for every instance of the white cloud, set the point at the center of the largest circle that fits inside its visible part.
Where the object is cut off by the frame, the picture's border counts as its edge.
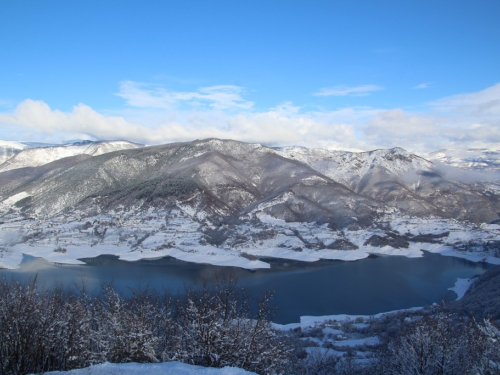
(458, 121)
(396, 127)
(481, 103)
(343, 90)
(157, 116)
(39, 117)
(422, 86)
(219, 97)
(283, 124)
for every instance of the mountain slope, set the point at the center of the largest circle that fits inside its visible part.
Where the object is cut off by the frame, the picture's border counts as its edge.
(229, 203)
(479, 159)
(401, 180)
(350, 168)
(10, 148)
(482, 300)
(34, 157)
(219, 179)
(228, 178)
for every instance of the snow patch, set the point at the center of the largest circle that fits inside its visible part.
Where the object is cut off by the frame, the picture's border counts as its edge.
(166, 368)
(13, 144)
(461, 286)
(368, 341)
(15, 198)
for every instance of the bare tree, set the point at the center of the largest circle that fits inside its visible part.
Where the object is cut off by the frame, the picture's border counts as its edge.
(441, 344)
(216, 328)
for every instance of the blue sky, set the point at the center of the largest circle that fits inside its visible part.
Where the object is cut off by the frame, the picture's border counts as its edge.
(353, 75)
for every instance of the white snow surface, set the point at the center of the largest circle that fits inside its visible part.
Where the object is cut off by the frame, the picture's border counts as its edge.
(344, 166)
(486, 159)
(165, 368)
(34, 157)
(15, 198)
(13, 144)
(312, 321)
(9, 148)
(461, 286)
(133, 234)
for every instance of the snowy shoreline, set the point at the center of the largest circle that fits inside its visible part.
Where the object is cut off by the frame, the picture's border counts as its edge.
(133, 236)
(223, 257)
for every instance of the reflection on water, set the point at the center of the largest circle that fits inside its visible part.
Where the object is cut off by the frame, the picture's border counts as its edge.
(367, 286)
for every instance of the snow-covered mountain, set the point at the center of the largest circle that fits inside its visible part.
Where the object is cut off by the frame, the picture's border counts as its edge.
(213, 200)
(222, 179)
(26, 156)
(9, 148)
(397, 178)
(350, 168)
(228, 178)
(481, 159)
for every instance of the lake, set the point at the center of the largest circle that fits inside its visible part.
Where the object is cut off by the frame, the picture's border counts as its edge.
(368, 286)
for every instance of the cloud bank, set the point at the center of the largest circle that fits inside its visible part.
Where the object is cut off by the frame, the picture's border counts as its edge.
(156, 115)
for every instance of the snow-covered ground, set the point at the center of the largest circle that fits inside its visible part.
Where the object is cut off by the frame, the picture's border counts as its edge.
(358, 335)
(133, 234)
(461, 286)
(327, 335)
(312, 321)
(166, 368)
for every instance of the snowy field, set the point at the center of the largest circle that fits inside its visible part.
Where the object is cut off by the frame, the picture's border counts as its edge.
(135, 234)
(167, 368)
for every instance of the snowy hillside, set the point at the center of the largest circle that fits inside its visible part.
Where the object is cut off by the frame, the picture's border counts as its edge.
(232, 203)
(229, 179)
(10, 148)
(481, 159)
(13, 144)
(350, 167)
(401, 180)
(34, 157)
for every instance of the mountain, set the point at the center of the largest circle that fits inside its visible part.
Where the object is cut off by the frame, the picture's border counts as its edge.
(229, 179)
(9, 148)
(479, 159)
(402, 180)
(228, 202)
(36, 156)
(351, 168)
(482, 299)
(222, 178)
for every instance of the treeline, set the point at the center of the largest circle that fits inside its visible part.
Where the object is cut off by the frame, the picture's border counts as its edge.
(213, 325)
(209, 325)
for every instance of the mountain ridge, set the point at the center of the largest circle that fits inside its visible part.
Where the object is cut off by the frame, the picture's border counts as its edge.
(235, 175)
(36, 156)
(230, 203)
